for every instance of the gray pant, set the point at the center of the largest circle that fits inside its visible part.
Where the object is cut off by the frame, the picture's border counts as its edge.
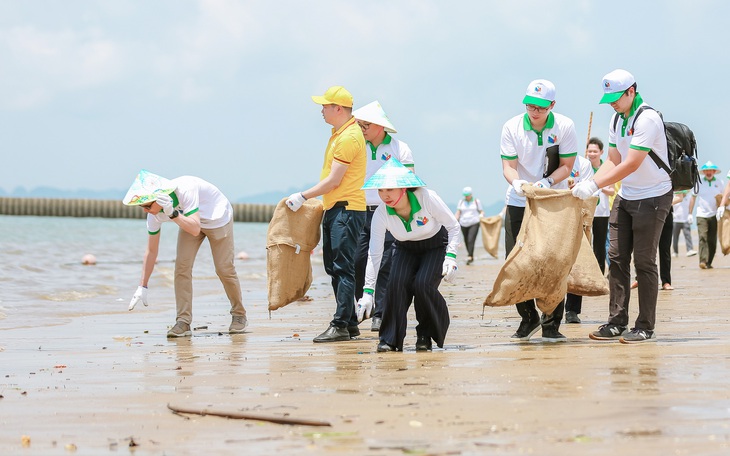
(634, 227)
(686, 229)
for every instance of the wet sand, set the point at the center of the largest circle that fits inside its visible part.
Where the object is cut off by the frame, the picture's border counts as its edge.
(94, 383)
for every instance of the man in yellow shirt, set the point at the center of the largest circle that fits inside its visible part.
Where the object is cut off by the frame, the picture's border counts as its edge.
(340, 185)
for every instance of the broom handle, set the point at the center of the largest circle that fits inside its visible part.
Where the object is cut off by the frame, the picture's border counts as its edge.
(590, 121)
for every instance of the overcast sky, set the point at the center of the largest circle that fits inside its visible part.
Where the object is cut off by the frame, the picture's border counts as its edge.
(93, 91)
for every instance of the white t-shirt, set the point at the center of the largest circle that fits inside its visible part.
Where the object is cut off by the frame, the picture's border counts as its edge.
(469, 211)
(191, 195)
(520, 142)
(705, 203)
(648, 180)
(390, 147)
(681, 209)
(424, 224)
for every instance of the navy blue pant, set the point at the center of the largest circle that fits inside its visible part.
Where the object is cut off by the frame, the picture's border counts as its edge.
(340, 231)
(415, 276)
(361, 262)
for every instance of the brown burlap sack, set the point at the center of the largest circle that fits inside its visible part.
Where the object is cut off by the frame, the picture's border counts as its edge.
(585, 278)
(289, 243)
(491, 228)
(723, 232)
(545, 251)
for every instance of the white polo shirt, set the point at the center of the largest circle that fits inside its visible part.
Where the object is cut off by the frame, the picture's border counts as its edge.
(377, 156)
(191, 195)
(706, 204)
(428, 214)
(520, 142)
(648, 180)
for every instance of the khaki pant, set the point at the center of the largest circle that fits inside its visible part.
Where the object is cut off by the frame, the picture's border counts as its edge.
(221, 246)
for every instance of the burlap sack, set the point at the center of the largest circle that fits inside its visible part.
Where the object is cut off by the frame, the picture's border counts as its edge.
(289, 243)
(723, 232)
(585, 277)
(545, 251)
(491, 228)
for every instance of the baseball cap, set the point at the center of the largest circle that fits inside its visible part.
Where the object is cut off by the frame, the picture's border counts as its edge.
(540, 92)
(466, 191)
(374, 113)
(393, 175)
(334, 95)
(615, 84)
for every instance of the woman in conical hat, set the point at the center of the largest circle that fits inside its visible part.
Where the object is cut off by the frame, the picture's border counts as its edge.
(426, 237)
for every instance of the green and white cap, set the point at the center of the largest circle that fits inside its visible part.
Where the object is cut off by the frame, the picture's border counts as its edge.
(146, 187)
(615, 84)
(393, 175)
(374, 113)
(540, 92)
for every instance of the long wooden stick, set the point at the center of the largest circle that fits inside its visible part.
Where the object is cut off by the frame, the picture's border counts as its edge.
(246, 416)
(590, 121)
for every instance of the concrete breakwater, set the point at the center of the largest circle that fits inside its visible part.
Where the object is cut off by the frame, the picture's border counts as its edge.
(111, 209)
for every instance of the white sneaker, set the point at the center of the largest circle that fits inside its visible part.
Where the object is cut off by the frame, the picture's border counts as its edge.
(692, 253)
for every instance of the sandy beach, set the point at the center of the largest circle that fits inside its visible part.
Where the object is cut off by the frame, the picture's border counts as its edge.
(96, 383)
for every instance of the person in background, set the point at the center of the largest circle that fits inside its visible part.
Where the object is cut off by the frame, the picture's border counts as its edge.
(709, 195)
(380, 147)
(468, 212)
(527, 140)
(426, 239)
(724, 200)
(341, 179)
(201, 212)
(682, 223)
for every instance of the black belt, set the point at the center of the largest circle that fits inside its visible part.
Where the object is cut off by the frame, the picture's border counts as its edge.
(339, 204)
(372, 208)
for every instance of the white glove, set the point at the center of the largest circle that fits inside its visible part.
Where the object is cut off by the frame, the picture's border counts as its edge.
(585, 189)
(165, 203)
(542, 183)
(720, 211)
(139, 295)
(364, 306)
(690, 219)
(449, 270)
(295, 201)
(517, 185)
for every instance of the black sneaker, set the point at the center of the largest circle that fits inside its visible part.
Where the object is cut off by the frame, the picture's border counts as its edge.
(608, 332)
(333, 334)
(354, 331)
(550, 334)
(571, 317)
(375, 326)
(526, 329)
(423, 343)
(384, 347)
(636, 336)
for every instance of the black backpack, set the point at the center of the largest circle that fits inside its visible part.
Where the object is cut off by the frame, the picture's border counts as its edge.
(682, 151)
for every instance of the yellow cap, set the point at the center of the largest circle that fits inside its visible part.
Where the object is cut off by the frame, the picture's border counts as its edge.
(334, 95)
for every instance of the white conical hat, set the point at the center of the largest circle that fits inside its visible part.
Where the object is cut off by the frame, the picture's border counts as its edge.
(393, 175)
(374, 113)
(146, 187)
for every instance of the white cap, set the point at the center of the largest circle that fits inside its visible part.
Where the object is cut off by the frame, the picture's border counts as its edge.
(374, 113)
(540, 92)
(615, 84)
(466, 191)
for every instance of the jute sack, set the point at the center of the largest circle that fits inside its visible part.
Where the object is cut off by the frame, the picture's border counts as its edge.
(545, 250)
(491, 228)
(723, 228)
(585, 277)
(289, 243)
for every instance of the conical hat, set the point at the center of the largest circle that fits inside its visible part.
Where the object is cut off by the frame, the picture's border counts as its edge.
(146, 187)
(393, 175)
(374, 113)
(709, 166)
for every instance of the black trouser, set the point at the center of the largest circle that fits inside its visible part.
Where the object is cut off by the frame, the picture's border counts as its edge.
(470, 235)
(574, 303)
(526, 309)
(665, 249)
(361, 262)
(415, 275)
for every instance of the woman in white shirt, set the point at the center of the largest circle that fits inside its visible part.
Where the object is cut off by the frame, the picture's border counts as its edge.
(426, 238)
(468, 212)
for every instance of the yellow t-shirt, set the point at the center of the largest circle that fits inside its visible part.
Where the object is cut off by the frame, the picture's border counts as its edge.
(346, 146)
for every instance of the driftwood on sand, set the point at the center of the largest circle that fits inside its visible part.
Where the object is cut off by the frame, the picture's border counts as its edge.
(246, 416)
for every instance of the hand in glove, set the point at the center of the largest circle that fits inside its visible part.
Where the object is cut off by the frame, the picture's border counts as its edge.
(364, 306)
(720, 212)
(585, 189)
(449, 270)
(295, 201)
(517, 185)
(542, 183)
(165, 203)
(139, 295)
(690, 219)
